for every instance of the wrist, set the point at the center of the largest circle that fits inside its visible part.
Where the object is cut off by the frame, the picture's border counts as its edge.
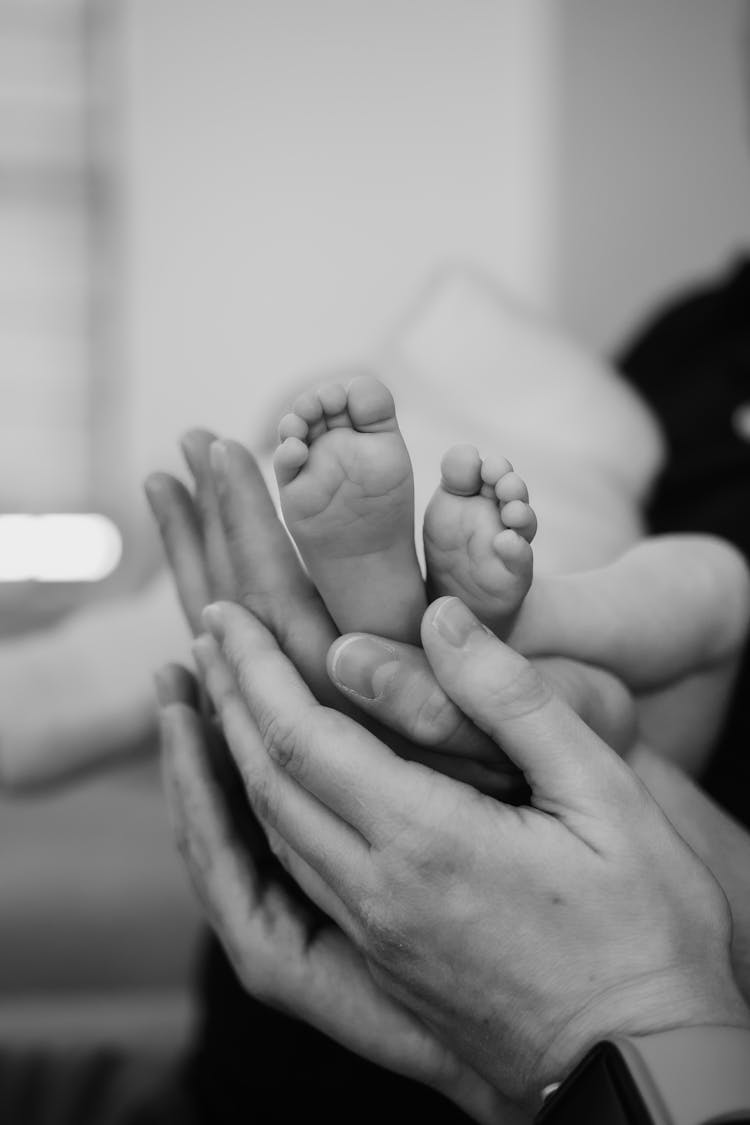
(481, 1101)
(685, 1076)
(652, 1004)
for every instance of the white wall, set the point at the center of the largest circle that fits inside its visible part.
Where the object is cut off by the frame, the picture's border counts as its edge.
(654, 170)
(294, 168)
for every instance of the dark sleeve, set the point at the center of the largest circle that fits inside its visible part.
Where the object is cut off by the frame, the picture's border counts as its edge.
(692, 365)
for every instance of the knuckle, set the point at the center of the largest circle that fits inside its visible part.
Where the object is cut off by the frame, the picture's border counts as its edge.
(523, 693)
(279, 736)
(437, 720)
(385, 928)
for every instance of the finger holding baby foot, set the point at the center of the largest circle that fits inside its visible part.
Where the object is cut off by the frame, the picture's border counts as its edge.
(477, 532)
(395, 684)
(347, 495)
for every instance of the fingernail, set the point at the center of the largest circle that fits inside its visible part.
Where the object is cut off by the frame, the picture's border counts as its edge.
(213, 619)
(219, 457)
(364, 666)
(455, 623)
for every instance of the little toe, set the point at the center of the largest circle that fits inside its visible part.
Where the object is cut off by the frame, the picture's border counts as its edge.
(371, 405)
(308, 406)
(514, 552)
(519, 517)
(511, 487)
(291, 425)
(493, 468)
(310, 409)
(333, 399)
(288, 459)
(460, 470)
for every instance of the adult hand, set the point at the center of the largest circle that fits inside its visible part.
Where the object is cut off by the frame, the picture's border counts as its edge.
(225, 539)
(519, 936)
(285, 953)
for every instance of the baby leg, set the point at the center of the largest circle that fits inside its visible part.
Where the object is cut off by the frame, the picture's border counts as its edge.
(347, 496)
(668, 606)
(669, 618)
(478, 529)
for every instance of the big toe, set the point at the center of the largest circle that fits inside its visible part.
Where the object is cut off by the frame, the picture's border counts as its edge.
(461, 469)
(371, 405)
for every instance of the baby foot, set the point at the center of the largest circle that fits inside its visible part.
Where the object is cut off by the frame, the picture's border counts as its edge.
(477, 534)
(347, 495)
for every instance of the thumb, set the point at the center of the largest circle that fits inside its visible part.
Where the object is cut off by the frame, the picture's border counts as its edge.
(566, 765)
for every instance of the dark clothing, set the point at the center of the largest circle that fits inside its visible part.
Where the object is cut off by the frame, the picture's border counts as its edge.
(44, 1086)
(692, 365)
(255, 1065)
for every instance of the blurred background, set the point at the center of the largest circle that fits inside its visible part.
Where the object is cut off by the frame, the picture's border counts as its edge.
(202, 201)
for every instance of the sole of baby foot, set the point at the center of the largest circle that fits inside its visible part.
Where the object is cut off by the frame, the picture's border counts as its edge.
(478, 530)
(347, 496)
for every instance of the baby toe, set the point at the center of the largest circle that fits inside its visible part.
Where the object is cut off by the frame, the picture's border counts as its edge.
(519, 517)
(460, 470)
(289, 458)
(513, 550)
(370, 404)
(494, 467)
(291, 425)
(333, 400)
(308, 406)
(511, 487)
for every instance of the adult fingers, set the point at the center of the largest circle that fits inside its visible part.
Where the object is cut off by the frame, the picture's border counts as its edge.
(174, 511)
(219, 824)
(175, 684)
(228, 885)
(245, 906)
(333, 760)
(394, 683)
(314, 887)
(270, 580)
(195, 447)
(257, 540)
(261, 736)
(567, 766)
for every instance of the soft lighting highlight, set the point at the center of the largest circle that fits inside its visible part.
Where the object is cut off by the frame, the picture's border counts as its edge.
(75, 547)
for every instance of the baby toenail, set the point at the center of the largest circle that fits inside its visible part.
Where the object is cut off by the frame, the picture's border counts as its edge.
(364, 666)
(456, 624)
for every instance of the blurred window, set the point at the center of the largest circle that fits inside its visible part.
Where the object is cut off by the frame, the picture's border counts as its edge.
(55, 212)
(56, 244)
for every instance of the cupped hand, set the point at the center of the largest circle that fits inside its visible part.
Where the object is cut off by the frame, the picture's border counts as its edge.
(284, 951)
(519, 936)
